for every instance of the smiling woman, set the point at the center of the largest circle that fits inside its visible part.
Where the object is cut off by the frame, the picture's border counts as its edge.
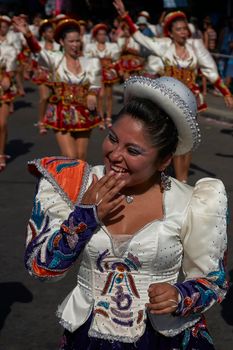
(130, 229)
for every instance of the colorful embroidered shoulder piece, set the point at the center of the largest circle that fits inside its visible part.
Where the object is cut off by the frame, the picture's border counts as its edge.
(66, 175)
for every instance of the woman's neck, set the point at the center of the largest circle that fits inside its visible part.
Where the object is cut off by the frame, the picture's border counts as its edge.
(140, 189)
(49, 44)
(70, 58)
(101, 46)
(179, 45)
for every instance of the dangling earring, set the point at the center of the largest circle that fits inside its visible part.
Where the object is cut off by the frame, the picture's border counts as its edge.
(165, 182)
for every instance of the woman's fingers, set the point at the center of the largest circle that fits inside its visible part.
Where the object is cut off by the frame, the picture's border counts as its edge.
(229, 101)
(111, 192)
(163, 298)
(119, 5)
(159, 298)
(109, 183)
(165, 311)
(103, 209)
(167, 306)
(94, 180)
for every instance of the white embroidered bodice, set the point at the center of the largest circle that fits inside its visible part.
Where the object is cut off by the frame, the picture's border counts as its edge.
(164, 48)
(114, 272)
(111, 51)
(56, 63)
(8, 56)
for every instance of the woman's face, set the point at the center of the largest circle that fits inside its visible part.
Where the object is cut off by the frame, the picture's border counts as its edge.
(179, 32)
(4, 28)
(101, 36)
(71, 44)
(127, 150)
(48, 34)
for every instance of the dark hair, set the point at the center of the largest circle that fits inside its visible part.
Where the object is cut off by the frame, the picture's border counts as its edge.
(68, 30)
(178, 19)
(159, 126)
(45, 27)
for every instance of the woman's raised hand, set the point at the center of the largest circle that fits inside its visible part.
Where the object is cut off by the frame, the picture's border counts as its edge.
(105, 194)
(163, 298)
(229, 101)
(20, 24)
(91, 102)
(120, 7)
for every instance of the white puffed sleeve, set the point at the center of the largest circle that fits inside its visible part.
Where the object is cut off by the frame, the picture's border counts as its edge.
(10, 56)
(115, 51)
(48, 60)
(88, 50)
(157, 46)
(94, 73)
(204, 230)
(56, 235)
(205, 61)
(121, 42)
(204, 243)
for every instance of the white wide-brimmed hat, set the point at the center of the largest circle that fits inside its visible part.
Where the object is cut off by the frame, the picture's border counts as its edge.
(176, 100)
(142, 20)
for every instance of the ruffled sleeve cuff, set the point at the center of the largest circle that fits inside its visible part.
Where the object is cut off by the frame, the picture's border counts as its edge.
(32, 43)
(219, 84)
(129, 21)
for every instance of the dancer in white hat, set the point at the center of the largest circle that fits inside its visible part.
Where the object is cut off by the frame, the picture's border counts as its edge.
(129, 229)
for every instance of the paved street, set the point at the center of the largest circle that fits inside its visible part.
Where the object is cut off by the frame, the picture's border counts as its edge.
(27, 307)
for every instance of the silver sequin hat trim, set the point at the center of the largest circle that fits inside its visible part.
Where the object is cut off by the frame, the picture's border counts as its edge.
(176, 100)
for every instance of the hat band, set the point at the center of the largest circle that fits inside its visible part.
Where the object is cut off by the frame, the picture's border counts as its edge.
(177, 100)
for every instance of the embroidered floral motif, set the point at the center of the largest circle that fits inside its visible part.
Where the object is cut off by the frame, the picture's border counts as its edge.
(198, 330)
(37, 220)
(37, 214)
(60, 167)
(120, 288)
(101, 312)
(103, 304)
(72, 229)
(122, 299)
(201, 293)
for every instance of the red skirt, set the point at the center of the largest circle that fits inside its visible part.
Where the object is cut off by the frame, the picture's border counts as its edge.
(7, 96)
(41, 75)
(109, 71)
(63, 117)
(131, 63)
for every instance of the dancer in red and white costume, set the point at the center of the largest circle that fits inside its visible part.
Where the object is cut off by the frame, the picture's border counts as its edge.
(108, 53)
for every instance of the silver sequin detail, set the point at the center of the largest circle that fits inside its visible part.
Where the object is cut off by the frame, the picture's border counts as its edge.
(175, 98)
(95, 334)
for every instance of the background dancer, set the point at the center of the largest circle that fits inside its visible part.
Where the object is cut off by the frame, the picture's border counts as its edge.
(108, 53)
(127, 253)
(181, 57)
(71, 110)
(8, 90)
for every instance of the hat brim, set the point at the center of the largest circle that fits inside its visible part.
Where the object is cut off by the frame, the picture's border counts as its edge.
(171, 18)
(65, 24)
(7, 21)
(176, 100)
(43, 24)
(99, 27)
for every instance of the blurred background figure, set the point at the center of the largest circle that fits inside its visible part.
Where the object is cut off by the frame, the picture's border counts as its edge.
(108, 54)
(210, 41)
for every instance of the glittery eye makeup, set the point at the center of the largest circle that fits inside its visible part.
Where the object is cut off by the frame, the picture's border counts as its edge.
(132, 149)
